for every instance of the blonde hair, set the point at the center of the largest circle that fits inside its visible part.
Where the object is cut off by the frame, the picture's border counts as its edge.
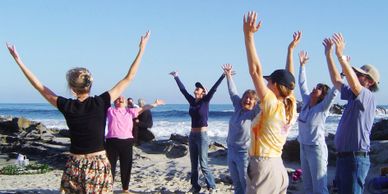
(288, 101)
(250, 92)
(79, 80)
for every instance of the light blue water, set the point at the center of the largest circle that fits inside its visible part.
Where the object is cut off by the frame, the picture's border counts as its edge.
(168, 119)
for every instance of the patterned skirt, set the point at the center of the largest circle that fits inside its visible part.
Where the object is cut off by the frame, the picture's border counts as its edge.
(89, 173)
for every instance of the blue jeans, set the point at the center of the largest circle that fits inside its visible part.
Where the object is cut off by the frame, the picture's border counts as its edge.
(314, 167)
(198, 147)
(350, 173)
(238, 166)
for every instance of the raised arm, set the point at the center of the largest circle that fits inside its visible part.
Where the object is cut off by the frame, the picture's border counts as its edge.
(303, 59)
(213, 89)
(231, 86)
(334, 74)
(181, 87)
(350, 75)
(122, 84)
(290, 51)
(49, 95)
(157, 102)
(254, 64)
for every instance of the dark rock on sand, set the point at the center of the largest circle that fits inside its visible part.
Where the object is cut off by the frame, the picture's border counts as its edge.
(33, 139)
(291, 151)
(183, 139)
(380, 130)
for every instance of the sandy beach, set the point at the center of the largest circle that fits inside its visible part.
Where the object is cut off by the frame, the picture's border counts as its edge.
(162, 166)
(151, 173)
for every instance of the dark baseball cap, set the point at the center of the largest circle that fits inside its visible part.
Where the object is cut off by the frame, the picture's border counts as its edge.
(282, 77)
(199, 85)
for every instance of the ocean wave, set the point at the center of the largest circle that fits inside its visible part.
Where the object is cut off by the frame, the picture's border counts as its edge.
(181, 114)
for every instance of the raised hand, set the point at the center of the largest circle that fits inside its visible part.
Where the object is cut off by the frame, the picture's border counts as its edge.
(228, 69)
(348, 59)
(250, 26)
(159, 102)
(328, 44)
(174, 73)
(303, 58)
(12, 51)
(339, 42)
(144, 39)
(295, 41)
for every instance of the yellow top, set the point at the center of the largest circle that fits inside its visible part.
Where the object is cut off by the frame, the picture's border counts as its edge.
(269, 128)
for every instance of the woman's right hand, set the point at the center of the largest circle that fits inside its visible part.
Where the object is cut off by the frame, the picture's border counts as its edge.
(159, 102)
(12, 51)
(174, 74)
(228, 70)
(295, 40)
(328, 44)
(144, 40)
(250, 26)
(303, 58)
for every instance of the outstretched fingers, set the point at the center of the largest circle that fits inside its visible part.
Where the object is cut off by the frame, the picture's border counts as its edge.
(228, 69)
(303, 57)
(144, 39)
(328, 44)
(12, 50)
(160, 102)
(250, 20)
(295, 39)
(339, 42)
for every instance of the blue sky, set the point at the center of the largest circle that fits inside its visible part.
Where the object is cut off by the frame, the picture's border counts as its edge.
(193, 37)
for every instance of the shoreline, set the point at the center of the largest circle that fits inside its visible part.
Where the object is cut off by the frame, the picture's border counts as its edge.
(158, 167)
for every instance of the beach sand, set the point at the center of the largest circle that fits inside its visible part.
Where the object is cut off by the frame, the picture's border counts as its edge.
(151, 173)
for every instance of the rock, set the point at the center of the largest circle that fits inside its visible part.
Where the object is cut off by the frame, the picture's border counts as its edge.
(177, 151)
(291, 151)
(379, 152)
(332, 153)
(221, 153)
(218, 145)
(380, 130)
(336, 109)
(64, 133)
(381, 110)
(180, 138)
(156, 147)
(224, 178)
(22, 123)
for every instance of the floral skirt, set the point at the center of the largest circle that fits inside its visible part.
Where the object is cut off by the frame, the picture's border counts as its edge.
(89, 173)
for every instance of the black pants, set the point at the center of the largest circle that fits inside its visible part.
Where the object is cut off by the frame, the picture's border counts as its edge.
(122, 149)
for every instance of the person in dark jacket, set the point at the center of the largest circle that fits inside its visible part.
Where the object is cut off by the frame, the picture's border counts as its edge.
(143, 124)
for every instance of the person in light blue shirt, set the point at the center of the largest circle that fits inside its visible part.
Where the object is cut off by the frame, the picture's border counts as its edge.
(245, 110)
(311, 124)
(352, 140)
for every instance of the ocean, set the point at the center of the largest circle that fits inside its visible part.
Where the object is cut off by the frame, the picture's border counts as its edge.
(168, 119)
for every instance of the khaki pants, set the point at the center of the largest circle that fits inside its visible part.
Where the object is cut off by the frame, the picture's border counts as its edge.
(266, 175)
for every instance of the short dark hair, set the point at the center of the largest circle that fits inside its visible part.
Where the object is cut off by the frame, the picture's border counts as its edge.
(325, 89)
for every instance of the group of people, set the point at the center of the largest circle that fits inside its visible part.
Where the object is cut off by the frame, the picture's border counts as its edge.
(257, 131)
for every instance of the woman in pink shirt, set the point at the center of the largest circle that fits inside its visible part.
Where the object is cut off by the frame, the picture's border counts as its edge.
(119, 140)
